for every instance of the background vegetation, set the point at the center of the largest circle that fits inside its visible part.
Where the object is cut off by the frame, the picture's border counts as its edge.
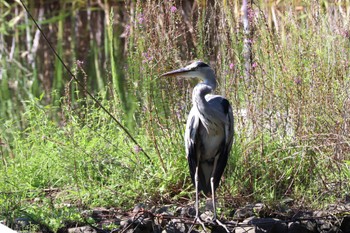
(61, 153)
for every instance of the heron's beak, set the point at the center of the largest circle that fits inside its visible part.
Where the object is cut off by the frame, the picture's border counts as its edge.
(179, 72)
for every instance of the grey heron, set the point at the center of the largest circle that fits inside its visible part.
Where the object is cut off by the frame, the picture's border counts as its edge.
(209, 132)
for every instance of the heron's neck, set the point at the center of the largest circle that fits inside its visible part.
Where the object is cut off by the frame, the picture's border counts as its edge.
(201, 90)
(198, 96)
(210, 79)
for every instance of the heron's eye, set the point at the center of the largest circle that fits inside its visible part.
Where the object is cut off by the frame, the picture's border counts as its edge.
(202, 64)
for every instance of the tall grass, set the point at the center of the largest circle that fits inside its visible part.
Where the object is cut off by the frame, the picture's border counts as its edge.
(291, 118)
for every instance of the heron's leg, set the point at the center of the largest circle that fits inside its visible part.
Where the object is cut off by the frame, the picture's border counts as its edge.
(197, 193)
(212, 186)
(197, 218)
(214, 205)
(213, 197)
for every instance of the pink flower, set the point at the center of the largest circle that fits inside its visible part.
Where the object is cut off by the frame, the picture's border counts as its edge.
(140, 18)
(137, 149)
(232, 66)
(173, 9)
(297, 81)
(147, 57)
(254, 64)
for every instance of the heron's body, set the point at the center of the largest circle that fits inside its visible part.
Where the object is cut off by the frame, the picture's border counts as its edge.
(207, 139)
(209, 131)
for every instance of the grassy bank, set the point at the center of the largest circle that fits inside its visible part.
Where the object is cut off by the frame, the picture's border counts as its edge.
(61, 153)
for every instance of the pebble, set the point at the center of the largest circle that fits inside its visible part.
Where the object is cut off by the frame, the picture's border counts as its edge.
(85, 229)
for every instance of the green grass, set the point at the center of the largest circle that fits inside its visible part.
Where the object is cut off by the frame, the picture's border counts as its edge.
(61, 154)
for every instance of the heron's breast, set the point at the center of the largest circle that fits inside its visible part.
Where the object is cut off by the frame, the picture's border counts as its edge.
(210, 142)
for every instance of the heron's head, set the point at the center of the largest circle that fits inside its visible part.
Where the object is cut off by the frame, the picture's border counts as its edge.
(197, 69)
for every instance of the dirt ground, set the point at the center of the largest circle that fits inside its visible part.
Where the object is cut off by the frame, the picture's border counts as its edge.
(250, 218)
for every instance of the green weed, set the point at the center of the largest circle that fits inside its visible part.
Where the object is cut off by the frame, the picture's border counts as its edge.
(61, 154)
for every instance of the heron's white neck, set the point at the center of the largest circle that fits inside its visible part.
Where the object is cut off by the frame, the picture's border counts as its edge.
(202, 89)
(198, 97)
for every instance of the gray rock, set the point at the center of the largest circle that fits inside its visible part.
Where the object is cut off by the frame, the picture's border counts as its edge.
(125, 223)
(139, 207)
(262, 225)
(325, 226)
(258, 208)
(245, 229)
(209, 205)
(191, 212)
(279, 227)
(85, 229)
(268, 225)
(164, 211)
(22, 223)
(297, 227)
(207, 216)
(181, 211)
(176, 226)
(244, 212)
(250, 220)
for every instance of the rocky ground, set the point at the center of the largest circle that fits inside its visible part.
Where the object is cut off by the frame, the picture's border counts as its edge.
(251, 218)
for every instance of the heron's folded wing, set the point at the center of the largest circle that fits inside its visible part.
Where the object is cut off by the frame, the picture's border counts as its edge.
(226, 144)
(190, 141)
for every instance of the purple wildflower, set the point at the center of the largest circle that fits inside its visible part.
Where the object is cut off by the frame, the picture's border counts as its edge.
(297, 81)
(80, 63)
(254, 65)
(147, 57)
(137, 149)
(140, 18)
(173, 9)
(232, 66)
(345, 34)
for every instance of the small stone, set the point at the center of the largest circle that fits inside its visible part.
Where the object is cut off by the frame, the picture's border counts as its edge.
(180, 211)
(85, 229)
(279, 227)
(297, 227)
(176, 226)
(319, 213)
(245, 229)
(308, 225)
(258, 208)
(209, 205)
(207, 216)
(287, 201)
(162, 210)
(244, 212)
(138, 208)
(22, 223)
(250, 220)
(125, 223)
(191, 211)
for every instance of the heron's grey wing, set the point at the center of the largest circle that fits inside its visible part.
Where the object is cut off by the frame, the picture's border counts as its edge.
(190, 141)
(226, 144)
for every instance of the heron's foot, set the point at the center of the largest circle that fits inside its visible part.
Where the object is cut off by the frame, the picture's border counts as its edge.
(197, 220)
(215, 220)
